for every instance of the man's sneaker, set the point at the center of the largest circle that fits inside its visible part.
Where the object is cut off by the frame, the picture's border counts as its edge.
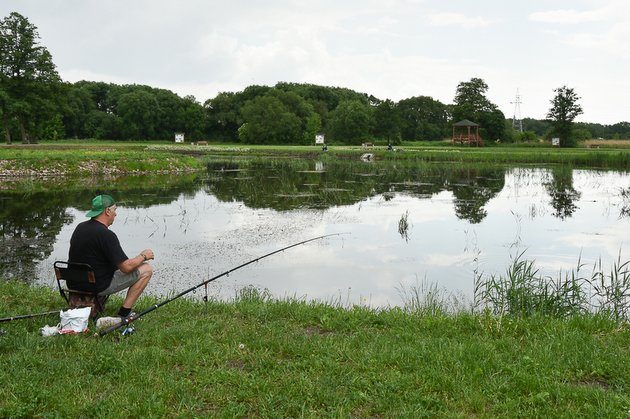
(105, 322)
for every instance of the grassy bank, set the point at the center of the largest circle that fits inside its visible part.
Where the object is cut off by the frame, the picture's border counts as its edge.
(91, 159)
(258, 357)
(101, 157)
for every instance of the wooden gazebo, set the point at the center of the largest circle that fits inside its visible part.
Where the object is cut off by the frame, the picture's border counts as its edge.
(466, 132)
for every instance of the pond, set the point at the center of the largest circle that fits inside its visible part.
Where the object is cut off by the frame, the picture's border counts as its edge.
(408, 226)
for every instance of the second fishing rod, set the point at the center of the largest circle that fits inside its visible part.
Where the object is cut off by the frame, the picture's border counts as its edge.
(126, 321)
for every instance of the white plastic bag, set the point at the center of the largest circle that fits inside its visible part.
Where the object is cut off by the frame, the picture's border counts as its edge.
(74, 320)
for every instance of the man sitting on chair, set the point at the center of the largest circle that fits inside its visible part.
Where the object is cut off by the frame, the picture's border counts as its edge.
(95, 244)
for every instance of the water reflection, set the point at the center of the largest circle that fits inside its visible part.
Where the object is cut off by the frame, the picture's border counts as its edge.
(562, 193)
(458, 221)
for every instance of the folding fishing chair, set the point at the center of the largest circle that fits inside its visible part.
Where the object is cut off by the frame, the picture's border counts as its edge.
(77, 285)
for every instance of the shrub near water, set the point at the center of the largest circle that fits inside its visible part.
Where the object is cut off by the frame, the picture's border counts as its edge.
(259, 357)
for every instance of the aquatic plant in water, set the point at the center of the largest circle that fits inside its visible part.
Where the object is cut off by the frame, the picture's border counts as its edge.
(403, 226)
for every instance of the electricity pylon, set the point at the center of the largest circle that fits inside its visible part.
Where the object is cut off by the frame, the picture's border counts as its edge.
(517, 122)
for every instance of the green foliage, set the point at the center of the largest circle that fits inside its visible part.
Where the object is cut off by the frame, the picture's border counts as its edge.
(581, 134)
(423, 118)
(28, 79)
(350, 122)
(526, 137)
(54, 129)
(313, 127)
(268, 121)
(109, 111)
(564, 109)
(223, 116)
(387, 122)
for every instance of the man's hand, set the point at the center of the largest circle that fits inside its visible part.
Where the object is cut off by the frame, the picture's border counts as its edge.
(147, 254)
(132, 264)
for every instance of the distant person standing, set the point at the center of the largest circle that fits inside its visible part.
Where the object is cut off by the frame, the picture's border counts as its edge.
(95, 244)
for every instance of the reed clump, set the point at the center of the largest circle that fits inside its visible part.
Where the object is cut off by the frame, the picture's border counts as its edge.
(523, 292)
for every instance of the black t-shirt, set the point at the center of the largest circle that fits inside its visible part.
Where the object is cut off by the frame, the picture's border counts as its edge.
(93, 243)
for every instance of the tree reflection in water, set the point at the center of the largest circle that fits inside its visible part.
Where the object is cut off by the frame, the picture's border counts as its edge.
(562, 193)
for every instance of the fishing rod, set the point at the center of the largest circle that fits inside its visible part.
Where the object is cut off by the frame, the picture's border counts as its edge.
(27, 316)
(126, 321)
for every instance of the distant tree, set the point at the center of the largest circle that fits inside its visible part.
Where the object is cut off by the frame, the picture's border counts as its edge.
(350, 122)
(620, 129)
(138, 111)
(223, 116)
(5, 113)
(564, 109)
(526, 137)
(190, 118)
(471, 103)
(386, 121)
(268, 121)
(539, 126)
(313, 127)
(27, 75)
(423, 118)
(581, 134)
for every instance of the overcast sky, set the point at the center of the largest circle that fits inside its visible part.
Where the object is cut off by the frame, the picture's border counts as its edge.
(390, 48)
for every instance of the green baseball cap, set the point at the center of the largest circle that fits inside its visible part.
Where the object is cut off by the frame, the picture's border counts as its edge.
(99, 203)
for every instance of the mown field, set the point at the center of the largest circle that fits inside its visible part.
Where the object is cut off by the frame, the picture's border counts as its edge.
(257, 357)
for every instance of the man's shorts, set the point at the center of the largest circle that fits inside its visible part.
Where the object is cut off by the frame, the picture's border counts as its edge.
(121, 281)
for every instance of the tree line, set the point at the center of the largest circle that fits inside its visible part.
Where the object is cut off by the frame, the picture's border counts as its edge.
(35, 104)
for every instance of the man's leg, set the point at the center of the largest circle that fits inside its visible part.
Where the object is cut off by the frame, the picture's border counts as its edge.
(133, 293)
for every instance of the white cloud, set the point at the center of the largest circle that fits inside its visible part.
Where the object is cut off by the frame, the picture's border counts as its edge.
(615, 40)
(569, 16)
(459, 19)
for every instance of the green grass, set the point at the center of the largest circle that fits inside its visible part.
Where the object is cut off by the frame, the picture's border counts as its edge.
(94, 157)
(91, 160)
(258, 357)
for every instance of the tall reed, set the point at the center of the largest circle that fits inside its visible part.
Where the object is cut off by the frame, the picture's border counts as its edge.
(523, 292)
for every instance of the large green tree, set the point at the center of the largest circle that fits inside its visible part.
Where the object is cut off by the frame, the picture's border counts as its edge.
(564, 109)
(28, 78)
(471, 103)
(350, 122)
(268, 121)
(423, 118)
(387, 122)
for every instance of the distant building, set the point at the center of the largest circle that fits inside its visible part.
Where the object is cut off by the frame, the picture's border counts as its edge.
(467, 132)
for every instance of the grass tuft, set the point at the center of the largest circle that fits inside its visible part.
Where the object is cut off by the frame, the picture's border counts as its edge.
(523, 292)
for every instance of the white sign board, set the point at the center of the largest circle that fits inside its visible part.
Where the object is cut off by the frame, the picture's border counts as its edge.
(319, 139)
(555, 142)
(179, 137)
